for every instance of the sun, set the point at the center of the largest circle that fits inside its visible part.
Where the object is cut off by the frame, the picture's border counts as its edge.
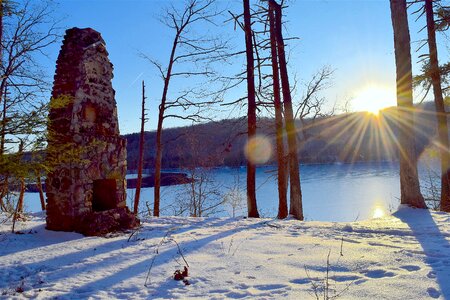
(373, 98)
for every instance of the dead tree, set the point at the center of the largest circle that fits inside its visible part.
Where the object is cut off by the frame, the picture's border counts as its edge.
(440, 107)
(141, 154)
(409, 182)
(296, 209)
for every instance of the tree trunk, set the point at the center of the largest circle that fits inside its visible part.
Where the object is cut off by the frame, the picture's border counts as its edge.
(440, 108)
(3, 83)
(409, 181)
(4, 182)
(41, 192)
(3, 92)
(3, 192)
(296, 209)
(158, 161)
(282, 186)
(1, 34)
(251, 116)
(162, 108)
(22, 180)
(21, 195)
(141, 155)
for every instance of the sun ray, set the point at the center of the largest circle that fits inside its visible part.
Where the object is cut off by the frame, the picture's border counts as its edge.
(360, 136)
(401, 150)
(343, 126)
(387, 148)
(336, 124)
(373, 137)
(356, 128)
(404, 124)
(347, 122)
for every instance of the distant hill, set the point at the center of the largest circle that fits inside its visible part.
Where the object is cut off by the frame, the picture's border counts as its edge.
(342, 138)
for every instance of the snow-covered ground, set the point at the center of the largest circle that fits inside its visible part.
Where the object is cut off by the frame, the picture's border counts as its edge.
(404, 256)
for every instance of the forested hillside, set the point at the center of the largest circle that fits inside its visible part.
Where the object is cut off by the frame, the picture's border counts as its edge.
(343, 138)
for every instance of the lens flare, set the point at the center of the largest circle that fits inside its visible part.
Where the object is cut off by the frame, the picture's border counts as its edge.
(378, 210)
(258, 150)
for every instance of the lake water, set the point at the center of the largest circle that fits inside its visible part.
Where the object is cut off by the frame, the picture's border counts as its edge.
(331, 192)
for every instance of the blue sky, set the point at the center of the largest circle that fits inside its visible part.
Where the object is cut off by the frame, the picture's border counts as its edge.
(353, 37)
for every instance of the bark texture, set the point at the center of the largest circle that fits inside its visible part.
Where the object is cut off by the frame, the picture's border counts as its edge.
(440, 108)
(41, 191)
(251, 116)
(162, 108)
(141, 154)
(296, 208)
(282, 184)
(409, 182)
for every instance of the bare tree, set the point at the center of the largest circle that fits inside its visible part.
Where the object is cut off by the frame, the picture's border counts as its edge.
(201, 196)
(281, 167)
(409, 182)
(267, 87)
(311, 106)
(235, 198)
(141, 154)
(187, 48)
(440, 108)
(251, 112)
(23, 83)
(296, 208)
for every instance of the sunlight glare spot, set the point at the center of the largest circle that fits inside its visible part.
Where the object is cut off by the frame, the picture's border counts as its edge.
(374, 98)
(258, 150)
(378, 212)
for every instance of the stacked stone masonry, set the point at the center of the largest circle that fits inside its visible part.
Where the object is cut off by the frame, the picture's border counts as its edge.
(87, 180)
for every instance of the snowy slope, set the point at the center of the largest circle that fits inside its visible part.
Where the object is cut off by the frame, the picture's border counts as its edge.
(404, 256)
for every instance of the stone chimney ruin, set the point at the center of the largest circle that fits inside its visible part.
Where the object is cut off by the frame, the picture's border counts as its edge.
(86, 185)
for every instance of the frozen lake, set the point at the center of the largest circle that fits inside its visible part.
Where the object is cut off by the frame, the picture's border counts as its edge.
(331, 192)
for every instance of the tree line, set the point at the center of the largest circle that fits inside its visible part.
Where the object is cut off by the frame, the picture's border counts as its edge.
(221, 143)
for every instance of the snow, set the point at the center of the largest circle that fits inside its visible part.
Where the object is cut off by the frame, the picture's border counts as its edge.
(401, 256)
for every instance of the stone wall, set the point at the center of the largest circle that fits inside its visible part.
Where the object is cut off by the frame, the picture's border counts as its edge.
(85, 150)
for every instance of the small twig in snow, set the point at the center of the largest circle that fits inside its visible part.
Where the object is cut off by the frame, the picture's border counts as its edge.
(181, 252)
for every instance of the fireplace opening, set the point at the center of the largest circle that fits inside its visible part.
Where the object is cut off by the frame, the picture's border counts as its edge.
(104, 195)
